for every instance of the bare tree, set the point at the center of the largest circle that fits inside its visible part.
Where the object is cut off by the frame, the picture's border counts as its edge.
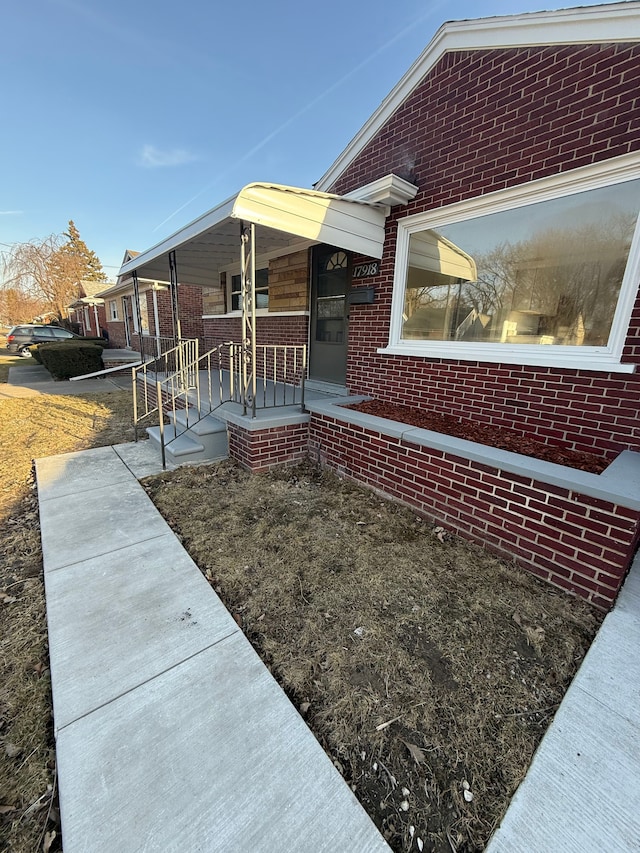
(19, 307)
(51, 269)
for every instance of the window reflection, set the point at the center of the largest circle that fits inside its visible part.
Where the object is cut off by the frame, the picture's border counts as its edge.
(261, 290)
(545, 273)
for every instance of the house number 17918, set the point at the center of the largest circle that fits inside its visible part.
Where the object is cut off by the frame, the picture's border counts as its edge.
(365, 270)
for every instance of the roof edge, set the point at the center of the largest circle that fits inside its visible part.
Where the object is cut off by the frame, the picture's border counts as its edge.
(604, 23)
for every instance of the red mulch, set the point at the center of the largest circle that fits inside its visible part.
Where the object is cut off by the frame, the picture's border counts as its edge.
(504, 439)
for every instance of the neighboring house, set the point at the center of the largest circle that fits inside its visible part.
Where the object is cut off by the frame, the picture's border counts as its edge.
(474, 250)
(145, 318)
(87, 311)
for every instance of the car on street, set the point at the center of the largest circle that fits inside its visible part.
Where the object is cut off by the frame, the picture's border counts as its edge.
(20, 338)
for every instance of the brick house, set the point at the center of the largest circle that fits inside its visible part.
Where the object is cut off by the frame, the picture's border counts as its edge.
(87, 311)
(474, 250)
(139, 313)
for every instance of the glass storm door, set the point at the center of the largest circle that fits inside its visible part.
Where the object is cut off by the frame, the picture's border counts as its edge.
(330, 284)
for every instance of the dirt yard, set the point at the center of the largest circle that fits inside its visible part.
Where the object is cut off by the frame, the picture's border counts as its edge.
(428, 669)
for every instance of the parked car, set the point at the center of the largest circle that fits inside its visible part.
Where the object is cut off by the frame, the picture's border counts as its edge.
(20, 338)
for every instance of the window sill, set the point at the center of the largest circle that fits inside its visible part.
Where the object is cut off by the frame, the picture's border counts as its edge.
(586, 361)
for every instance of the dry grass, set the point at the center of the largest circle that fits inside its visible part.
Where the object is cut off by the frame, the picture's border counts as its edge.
(419, 664)
(7, 361)
(422, 666)
(31, 428)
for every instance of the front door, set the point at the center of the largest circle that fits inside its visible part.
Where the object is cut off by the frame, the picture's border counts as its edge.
(330, 284)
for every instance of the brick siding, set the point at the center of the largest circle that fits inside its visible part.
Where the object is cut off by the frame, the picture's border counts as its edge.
(117, 337)
(90, 331)
(264, 449)
(291, 331)
(573, 541)
(190, 310)
(214, 300)
(481, 121)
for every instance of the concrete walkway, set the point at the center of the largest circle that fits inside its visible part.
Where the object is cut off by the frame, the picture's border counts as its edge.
(582, 791)
(171, 735)
(32, 380)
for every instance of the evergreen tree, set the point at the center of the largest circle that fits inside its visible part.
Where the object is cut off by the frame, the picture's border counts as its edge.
(86, 260)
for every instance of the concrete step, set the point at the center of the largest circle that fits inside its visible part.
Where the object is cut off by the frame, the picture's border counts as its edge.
(209, 431)
(182, 445)
(197, 423)
(179, 447)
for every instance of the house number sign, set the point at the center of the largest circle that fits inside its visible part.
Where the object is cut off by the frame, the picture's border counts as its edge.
(366, 270)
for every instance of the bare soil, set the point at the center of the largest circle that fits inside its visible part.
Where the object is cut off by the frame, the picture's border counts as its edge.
(505, 439)
(428, 669)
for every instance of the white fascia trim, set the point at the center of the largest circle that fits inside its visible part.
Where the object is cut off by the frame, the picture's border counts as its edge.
(606, 359)
(193, 229)
(126, 287)
(390, 191)
(613, 22)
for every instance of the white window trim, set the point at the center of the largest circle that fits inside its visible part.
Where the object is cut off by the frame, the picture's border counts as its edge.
(235, 270)
(607, 358)
(113, 310)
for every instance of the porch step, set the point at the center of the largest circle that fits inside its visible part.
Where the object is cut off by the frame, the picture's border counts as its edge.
(186, 445)
(182, 448)
(210, 432)
(198, 425)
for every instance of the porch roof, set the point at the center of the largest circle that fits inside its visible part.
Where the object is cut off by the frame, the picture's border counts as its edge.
(286, 216)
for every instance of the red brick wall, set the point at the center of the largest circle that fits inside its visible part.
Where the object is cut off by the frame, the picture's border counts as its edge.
(259, 451)
(292, 330)
(487, 119)
(189, 310)
(481, 121)
(79, 317)
(270, 331)
(573, 541)
(117, 337)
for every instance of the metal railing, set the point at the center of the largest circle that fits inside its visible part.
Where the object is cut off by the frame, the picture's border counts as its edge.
(155, 346)
(280, 370)
(217, 377)
(174, 361)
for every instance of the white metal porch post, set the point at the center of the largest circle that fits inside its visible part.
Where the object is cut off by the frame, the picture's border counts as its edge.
(248, 294)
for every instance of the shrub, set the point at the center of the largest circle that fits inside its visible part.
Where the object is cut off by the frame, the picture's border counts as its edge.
(35, 354)
(64, 360)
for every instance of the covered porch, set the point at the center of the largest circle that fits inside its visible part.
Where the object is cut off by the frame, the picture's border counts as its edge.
(251, 370)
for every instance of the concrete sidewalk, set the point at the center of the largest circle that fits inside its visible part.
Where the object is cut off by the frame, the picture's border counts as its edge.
(171, 734)
(32, 380)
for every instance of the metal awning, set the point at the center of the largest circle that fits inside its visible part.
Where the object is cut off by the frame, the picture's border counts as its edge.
(286, 216)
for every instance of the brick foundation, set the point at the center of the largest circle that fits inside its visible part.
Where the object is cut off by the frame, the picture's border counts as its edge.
(264, 449)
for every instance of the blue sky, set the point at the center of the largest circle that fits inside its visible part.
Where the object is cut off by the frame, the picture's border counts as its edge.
(133, 118)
